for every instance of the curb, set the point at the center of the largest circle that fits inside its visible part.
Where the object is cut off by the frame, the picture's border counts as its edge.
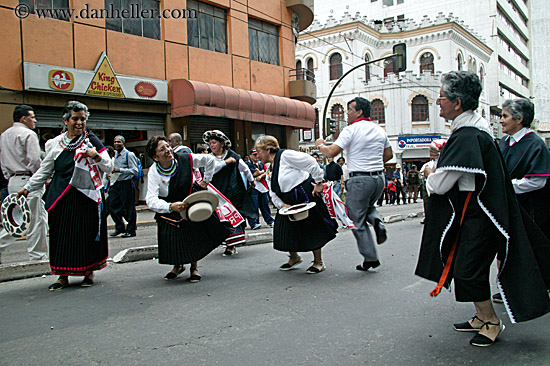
(151, 251)
(21, 270)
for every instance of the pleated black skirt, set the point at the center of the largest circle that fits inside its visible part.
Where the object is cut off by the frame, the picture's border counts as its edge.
(74, 223)
(189, 241)
(308, 234)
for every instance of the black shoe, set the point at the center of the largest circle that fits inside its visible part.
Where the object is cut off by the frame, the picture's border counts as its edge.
(172, 276)
(366, 265)
(116, 233)
(479, 340)
(466, 326)
(87, 282)
(128, 235)
(380, 230)
(194, 278)
(497, 298)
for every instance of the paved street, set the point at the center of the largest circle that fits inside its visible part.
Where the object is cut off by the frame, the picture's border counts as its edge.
(246, 312)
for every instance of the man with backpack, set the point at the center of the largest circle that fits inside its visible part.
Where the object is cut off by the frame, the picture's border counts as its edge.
(122, 192)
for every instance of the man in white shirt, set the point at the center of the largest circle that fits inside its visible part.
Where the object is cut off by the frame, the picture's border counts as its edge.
(20, 158)
(368, 148)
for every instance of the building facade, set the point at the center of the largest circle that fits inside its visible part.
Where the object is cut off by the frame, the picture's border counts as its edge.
(151, 67)
(506, 26)
(404, 104)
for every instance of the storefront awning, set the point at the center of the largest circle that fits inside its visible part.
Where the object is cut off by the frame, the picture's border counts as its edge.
(192, 98)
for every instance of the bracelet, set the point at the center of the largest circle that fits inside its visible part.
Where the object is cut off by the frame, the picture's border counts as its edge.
(170, 207)
(321, 145)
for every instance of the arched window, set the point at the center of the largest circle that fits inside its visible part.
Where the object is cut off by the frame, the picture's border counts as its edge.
(474, 66)
(459, 60)
(335, 66)
(427, 62)
(310, 74)
(481, 76)
(388, 67)
(299, 71)
(420, 109)
(367, 68)
(337, 114)
(377, 111)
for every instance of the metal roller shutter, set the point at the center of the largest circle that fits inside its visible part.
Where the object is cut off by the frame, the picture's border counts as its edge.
(201, 124)
(104, 120)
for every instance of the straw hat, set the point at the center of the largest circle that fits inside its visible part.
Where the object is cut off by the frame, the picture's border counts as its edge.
(200, 207)
(16, 215)
(297, 212)
(218, 135)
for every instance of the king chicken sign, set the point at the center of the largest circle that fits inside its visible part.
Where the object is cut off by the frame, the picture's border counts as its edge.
(415, 142)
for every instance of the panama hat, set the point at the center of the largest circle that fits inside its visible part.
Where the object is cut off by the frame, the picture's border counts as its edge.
(200, 206)
(297, 212)
(16, 215)
(218, 135)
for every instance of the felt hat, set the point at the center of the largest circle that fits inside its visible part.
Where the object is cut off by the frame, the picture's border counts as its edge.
(200, 206)
(16, 215)
(218, 135)
(297, 212)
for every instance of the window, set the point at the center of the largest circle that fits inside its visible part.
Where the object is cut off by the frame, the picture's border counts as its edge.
(335, 62)
(310, 72)
(367, 68)
(299, 71)
(459, 59)
(388, 67)
(482, 76)
(56, 9)
(420, 109)
(263, 41)
(337, 114)
(143, 27)
(387, 2)
(377, 111)
(209, 30)
(427, 63)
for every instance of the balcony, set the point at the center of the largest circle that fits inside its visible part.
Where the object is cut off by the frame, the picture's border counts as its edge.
(302, 85)
(304, 10)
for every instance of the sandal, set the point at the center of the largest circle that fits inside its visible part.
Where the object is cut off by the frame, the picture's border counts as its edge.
(480, 340)
(288, 266)
(228, 252)
(88, 281)
(314, 270)
(58, 285)
(467, 326)
(195, 278)
(173, 275)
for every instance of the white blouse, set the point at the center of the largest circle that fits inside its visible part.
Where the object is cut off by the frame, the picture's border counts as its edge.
(157, 185)
(243, 168)
(294, 168)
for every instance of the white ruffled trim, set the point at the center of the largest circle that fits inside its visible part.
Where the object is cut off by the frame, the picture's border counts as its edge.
(493, 220)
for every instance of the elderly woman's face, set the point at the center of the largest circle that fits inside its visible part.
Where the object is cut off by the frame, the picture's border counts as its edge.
(447, 109)
(509, 124)
(216, 146)
(263, 155)
(164, 154)
(76, 124)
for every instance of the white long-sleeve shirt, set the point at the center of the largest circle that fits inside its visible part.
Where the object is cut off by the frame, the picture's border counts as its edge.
(20, 151)
(294, 168)
(157, 185)
(525, 184)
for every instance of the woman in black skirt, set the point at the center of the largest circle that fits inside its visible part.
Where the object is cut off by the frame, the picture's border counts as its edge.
(296, 177)
(169, 182)
(74, 199)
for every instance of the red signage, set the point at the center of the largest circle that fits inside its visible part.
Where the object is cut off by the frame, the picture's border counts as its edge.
(61, 80)
(145, 89)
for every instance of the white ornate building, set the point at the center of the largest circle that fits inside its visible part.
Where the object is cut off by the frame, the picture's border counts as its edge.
(403, 104)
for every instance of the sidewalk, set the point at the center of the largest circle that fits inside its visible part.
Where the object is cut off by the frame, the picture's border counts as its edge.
(15, 264)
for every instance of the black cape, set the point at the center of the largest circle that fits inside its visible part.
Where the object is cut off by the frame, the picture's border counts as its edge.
(229, 182)
(520, 280)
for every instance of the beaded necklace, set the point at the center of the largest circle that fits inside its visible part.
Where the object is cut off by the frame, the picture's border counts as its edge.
(67, 145)
(170, 172)
(220, 158)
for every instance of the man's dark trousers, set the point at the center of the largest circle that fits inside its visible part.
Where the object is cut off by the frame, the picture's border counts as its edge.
(122, 204)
